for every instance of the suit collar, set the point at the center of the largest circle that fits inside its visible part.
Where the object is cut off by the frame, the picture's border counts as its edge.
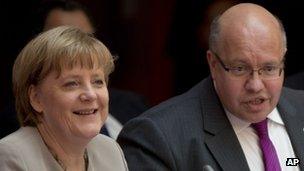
(294, 123)
(220, 138)
(215, 119)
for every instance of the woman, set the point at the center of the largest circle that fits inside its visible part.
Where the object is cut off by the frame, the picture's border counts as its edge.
(60, 85)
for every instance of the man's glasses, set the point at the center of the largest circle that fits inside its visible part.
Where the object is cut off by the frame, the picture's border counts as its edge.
(267, 72)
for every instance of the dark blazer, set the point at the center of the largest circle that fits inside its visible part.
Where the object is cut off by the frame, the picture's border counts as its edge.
(191, 131)
(295, 81)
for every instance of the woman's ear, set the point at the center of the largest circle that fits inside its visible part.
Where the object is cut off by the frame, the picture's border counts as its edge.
(33, 94)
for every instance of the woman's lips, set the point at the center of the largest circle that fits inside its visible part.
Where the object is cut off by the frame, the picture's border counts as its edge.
(85, 112)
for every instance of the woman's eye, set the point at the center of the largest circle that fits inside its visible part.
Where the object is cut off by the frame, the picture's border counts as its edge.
(98, 82)
(71, 84)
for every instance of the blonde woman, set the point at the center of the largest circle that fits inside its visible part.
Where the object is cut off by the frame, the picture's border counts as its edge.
(60, 85)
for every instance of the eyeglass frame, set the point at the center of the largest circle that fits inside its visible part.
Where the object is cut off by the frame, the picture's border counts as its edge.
(259, 71)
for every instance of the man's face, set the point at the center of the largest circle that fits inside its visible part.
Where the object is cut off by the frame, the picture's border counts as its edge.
(251, 97)
(77, 18)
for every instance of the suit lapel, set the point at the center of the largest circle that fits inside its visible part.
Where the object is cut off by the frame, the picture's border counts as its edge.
(294, 123)
(221, 140)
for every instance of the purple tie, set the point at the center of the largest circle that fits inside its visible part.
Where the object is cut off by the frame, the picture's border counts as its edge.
(270, 158)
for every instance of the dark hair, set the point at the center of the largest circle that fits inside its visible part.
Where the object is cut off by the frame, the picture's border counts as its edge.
(66, 5)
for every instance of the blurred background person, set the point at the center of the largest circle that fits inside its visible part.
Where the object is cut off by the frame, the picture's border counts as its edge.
(123, 105)
(188, 40)
(60, 86)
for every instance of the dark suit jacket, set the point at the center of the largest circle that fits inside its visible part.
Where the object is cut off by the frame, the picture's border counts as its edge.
(295, 81)
(191, 131)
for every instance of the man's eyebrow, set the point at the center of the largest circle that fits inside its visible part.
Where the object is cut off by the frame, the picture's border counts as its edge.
(238, 61)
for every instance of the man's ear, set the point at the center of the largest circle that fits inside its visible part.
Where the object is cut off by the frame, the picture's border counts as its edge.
(211, 62)
(34, 98)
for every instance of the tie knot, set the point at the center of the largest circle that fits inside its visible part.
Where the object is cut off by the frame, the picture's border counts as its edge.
(261, 128)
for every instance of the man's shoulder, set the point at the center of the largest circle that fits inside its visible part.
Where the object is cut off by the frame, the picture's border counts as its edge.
(293, 97)
(178, 106)
(169, 130)
(177, 113)
(292, 93)
(295, 81)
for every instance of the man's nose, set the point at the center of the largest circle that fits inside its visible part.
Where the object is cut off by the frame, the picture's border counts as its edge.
(254, 83)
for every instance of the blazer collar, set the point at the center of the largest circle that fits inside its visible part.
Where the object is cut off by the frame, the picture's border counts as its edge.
(220, 138)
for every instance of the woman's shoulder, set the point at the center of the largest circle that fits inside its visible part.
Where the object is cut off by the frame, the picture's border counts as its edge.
(104, 144)
(23, 141)
(100, 138)
(107, 153)
(16, 148)
(20, 137)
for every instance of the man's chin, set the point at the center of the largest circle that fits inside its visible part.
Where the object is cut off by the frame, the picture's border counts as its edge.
(254, 117)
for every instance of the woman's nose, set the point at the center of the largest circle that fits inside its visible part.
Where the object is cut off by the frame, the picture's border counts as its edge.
(88, 94)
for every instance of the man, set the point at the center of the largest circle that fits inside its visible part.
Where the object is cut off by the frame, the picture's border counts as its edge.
(218, 124)
(123, 105)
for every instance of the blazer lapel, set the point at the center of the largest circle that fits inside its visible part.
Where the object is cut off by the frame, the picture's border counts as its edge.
(221, 140)
(294, 123)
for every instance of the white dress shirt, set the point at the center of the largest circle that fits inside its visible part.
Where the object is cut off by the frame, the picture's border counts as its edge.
(113, 126)
(250, 141)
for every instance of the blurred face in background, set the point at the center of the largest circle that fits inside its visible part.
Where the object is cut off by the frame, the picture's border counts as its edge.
(77, 18)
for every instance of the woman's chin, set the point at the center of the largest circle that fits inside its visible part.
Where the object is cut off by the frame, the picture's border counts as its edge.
(88, 132)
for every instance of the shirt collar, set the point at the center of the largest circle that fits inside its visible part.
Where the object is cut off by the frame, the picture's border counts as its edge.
(275, 117)
(239, 124)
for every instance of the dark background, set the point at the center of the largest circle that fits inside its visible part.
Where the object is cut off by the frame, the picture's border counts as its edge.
(160, 43)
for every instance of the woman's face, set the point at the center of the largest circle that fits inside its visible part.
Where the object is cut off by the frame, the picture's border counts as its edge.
(73, 105)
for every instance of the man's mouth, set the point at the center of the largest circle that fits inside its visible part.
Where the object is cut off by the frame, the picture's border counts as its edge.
(256, 104)
(256, 101)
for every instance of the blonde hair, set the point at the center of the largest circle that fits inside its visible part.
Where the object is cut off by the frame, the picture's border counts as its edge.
(60, 48)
